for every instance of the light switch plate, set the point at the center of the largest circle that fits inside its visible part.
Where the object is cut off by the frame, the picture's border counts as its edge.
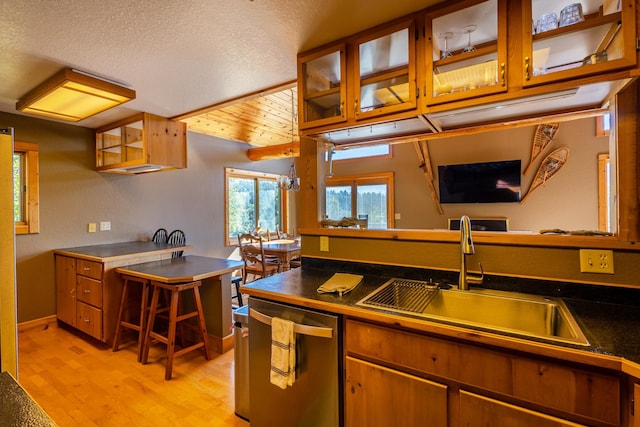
(91, 227)
(324, 243)
(596, 261)
(105, 225)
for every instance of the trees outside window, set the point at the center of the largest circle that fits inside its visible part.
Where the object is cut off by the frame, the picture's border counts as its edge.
(358, 195)
(26, 211)
(253, 201)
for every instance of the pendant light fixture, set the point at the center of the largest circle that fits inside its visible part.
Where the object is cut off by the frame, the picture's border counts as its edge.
(291, 181)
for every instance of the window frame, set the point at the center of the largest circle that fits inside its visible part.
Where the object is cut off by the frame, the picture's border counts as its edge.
(386, 178)
(31, 191)
(246, 174)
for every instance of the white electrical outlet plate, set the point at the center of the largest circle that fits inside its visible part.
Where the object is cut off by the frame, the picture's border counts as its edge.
(596, 261)
(91, 227)
(105, 225)
(324, 243)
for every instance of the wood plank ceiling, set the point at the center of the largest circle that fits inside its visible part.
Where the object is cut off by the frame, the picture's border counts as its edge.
(261, 119)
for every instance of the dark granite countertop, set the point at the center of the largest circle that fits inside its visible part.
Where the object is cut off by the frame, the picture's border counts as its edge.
(610, 318)
(115, 250)
(17, 408)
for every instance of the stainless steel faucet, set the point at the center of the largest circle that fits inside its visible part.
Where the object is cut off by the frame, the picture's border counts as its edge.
(466, 248)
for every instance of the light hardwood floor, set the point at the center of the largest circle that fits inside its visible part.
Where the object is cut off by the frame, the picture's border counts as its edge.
(80, 382)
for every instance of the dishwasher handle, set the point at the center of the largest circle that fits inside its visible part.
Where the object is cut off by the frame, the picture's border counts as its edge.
(314, 331)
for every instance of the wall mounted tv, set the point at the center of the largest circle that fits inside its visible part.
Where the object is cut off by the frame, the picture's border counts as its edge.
(490, 182)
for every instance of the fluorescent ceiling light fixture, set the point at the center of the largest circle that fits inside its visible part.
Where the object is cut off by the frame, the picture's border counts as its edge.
(73, 95)
(508, 103)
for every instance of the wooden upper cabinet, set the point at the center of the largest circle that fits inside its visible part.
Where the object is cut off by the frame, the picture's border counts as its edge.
(142, 143)
(466, 51)
(322, 90)
(385, 71)
(563, 42)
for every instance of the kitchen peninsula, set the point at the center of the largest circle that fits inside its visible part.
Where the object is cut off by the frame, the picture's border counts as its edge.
(88, 289)
(466, 374)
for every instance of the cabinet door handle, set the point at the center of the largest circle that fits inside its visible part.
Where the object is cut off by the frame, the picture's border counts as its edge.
(87, 320)
(86, 291)
(526, 68)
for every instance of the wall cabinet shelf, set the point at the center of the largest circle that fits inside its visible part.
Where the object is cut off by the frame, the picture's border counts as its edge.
(142, 143)
(321, 86)
(602, 42)
(456, 55)
(466, 51)
(366, 77)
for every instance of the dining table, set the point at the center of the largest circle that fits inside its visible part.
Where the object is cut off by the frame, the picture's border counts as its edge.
(284, 249)
(215, 275)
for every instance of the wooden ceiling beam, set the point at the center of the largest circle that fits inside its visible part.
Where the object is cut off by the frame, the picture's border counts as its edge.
(273, 152)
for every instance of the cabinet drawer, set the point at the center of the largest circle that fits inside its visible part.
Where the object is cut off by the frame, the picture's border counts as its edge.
(561, 386)
(89, 268)
(481, 411)
(89, 320)
(89, 291)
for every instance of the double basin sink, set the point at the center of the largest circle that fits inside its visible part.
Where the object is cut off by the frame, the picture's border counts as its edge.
(510, 312)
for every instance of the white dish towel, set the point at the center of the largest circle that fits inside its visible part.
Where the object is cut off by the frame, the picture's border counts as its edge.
(283, 353)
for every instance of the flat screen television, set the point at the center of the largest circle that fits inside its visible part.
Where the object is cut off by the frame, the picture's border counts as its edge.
(490, 182)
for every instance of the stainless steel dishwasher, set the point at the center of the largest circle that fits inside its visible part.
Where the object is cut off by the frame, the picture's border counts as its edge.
(313, 399)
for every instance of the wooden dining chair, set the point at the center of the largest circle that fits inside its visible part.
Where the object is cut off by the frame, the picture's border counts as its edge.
(160, 236)
(255, 261)
(177, 237)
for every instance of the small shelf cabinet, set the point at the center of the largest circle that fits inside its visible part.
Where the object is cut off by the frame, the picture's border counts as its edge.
(322, 86)
(466, 51)
(141, 143)
(600, 39)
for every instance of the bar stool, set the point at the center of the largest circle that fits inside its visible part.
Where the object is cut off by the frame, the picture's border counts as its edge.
(126, 317)
(174, 320)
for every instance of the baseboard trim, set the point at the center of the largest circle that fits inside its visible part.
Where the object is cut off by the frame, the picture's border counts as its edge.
(41, 323)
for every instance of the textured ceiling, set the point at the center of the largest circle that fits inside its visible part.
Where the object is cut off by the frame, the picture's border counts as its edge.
(179, 56)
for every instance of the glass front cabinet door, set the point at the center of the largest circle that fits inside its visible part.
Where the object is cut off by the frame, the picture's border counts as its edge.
(322, 87)
(568, 39)
(385, 71)
(120, 144)
(466, 51)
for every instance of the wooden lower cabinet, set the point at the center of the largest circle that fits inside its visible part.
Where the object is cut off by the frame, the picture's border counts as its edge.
(380, 397)
(88, 292)
(635, 408)
(480, 411)
(79, 285)
(392, 372)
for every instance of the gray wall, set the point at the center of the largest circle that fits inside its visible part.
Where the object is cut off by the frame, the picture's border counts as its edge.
(72, 194)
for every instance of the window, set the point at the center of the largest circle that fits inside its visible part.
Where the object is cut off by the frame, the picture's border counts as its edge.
(253, 200)
(26, 213)
(359, 195)
(353, 153)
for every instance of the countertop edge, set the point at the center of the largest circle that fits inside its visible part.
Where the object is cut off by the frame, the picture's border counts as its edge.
(118, 257)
